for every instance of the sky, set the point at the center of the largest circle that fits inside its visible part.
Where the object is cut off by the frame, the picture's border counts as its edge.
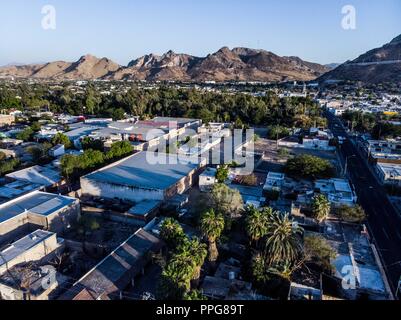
(123, 30)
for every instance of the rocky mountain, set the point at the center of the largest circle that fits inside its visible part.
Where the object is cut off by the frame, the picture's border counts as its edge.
(375, 66)
(238, 64)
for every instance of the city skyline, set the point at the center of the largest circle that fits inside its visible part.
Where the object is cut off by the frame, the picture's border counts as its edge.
(135, 28)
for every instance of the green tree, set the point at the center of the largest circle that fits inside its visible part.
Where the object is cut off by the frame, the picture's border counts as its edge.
(172, 233)
(318, 250)
(9, 165)
(257, 222)
(283, 239)
(198, 252)
(222, 174)
(61, 138)
(309, 167)
(351, 214)
(119, 150)
(90, 143)
(226, 201)
(194, 295)
(25, 135)
(320, 207)
(36, 126)
(278, 132)
(212, 225)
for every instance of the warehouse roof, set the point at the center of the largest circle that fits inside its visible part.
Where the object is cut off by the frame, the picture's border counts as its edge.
(37, 174)
(37, 202)
(115, 271)
(137, 171)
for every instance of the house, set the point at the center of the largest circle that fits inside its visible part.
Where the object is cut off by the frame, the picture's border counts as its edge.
(117, 272)
(37, 210)
(37, 174)
(57, 151)
(274, 181)
(358, 260)
(142, 177)
(337, 191)
(317, 143)
(389, 173)
(6, 120)
(37, 246)
(207, 179)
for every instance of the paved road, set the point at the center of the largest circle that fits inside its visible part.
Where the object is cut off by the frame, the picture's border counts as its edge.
(384, 222)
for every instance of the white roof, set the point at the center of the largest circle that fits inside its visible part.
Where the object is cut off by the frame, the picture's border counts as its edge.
(37, 174)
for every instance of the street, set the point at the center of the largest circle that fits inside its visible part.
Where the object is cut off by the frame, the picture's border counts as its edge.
(383, 221)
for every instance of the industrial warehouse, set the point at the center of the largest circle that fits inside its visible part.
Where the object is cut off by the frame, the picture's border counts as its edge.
(135, 179)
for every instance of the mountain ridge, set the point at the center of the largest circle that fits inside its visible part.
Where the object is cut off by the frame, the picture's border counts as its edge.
(378, 65)
(238, 64)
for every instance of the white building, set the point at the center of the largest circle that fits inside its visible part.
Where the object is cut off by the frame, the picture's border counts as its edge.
(389, 173)
(57, 151)
(337, 191)
(274, 181)
(207, 179)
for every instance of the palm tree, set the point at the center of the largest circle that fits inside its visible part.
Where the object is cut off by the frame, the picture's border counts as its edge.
(180, 270)
(172, 233)
(320, 207)
(212, 225)
(283, 239)
(198, 253)
(257, 223)
(174, 281)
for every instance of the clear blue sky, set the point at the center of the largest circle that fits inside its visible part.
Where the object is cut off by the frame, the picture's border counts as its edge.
(125, 29)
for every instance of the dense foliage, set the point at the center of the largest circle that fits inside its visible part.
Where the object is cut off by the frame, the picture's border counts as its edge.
(309, 167)
(240, 108)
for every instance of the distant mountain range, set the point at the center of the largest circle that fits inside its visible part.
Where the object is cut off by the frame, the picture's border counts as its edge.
(375, 66)
(238, 64)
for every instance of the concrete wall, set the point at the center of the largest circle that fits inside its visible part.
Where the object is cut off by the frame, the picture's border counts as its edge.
(14, 228)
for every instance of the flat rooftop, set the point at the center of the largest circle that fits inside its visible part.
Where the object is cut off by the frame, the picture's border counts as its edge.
(390, 169)
(17, 188)
(24, 244)
(136, 171)
(37, 174)
(39, 203)
(144, 207)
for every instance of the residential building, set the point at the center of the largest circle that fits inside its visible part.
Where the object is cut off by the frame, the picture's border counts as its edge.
(57, 151)
(338, 191)
(207, 179)
(389, 173)
(6, 120)
(274, 181)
